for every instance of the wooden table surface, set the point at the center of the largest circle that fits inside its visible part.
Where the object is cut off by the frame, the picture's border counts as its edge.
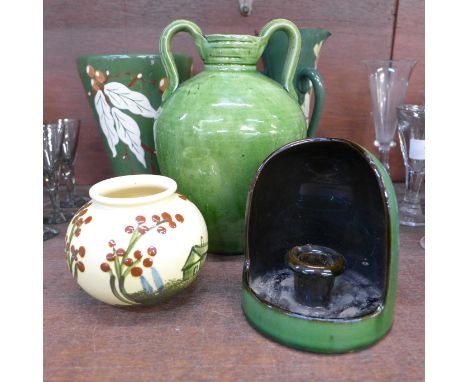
(202, 335)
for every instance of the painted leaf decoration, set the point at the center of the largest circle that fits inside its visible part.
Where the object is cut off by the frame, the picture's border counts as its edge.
(129, 132)
(126, 99)
(106, 121)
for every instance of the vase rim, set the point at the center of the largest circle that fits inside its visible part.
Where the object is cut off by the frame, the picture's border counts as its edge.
(128, 182)
(150, 55)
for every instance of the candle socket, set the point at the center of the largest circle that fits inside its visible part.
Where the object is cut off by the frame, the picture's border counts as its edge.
(315, 268)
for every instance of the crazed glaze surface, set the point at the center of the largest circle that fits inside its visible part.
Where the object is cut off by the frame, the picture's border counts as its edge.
(215, 129)
(140, 250)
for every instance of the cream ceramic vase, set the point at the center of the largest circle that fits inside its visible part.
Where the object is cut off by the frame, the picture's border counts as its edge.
(137, 241)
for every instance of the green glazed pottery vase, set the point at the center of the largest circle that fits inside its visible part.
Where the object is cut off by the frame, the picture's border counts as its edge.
(124, 92)
(215, 129)
(306, 77)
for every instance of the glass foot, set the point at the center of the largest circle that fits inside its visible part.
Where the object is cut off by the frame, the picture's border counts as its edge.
(57, 217)
(49, 232)
(411, 215)
(74, 202)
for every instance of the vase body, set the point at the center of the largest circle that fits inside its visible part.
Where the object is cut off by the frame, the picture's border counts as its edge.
(124, 92)
(307, 80)
(137, 241)
(216, 128)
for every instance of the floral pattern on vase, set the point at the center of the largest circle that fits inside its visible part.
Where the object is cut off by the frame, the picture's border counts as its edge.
(110, 98)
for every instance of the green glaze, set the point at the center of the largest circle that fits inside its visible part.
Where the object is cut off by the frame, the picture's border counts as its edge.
(306, 73)
(215, 129)
(126, 125)
(334, 335)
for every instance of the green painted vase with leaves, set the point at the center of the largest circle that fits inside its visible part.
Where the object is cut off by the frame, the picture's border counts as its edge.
(215, 129)
(124, 92)
(307, 78)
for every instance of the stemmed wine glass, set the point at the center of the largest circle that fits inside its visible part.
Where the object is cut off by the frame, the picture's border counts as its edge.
(388, 82)
(411, 131)
(52, 140)
(71, 128)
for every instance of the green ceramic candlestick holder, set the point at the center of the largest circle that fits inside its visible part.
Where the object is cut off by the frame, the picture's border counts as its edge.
(321, 247)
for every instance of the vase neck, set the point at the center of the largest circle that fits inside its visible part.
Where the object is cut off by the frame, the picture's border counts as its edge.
(237, 50)
(230, 68)
(131, 190)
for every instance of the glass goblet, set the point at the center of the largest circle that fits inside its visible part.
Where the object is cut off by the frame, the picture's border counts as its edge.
(388, 82)
(52, 138)
(71, 133)
(411, 131)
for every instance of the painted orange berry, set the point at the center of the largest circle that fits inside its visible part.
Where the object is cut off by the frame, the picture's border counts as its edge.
(82, 212)
(88, 219)
(143, 229)
(79, 223)
(110, 257)
(105, 267)
(136, 271)
(172, 224)
(128, 262)
(100, 76)
(82, 251)
(80, 266)
(95, 85)
(148, 262)
(152, 251)
(179, 218)
(163, 83)
(137, 255)
(183, 197)
(90, 71)
(166, 216)
(77, 232)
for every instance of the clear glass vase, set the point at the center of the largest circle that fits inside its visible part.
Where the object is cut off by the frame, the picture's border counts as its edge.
(411, 131)
(388, 82)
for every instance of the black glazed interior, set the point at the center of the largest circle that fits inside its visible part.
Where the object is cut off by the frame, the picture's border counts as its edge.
(323, 192)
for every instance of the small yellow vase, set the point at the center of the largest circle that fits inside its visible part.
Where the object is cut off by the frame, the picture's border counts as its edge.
(137, 241)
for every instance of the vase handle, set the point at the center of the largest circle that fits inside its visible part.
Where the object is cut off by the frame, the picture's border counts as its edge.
(319, 96)
(165, 44)
(294, 49)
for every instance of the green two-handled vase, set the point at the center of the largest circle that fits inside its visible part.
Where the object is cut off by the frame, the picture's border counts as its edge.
(306, 78)
(214, 130)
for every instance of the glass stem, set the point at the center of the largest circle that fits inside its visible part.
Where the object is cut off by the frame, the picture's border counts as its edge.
(52, 184)
(69, 179)
(384, 156)
(414, 182)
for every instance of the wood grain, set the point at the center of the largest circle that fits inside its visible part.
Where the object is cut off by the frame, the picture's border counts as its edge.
(202, 335)
(361, 29)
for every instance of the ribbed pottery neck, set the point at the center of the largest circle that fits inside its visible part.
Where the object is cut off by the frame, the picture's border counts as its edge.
(232, 49)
